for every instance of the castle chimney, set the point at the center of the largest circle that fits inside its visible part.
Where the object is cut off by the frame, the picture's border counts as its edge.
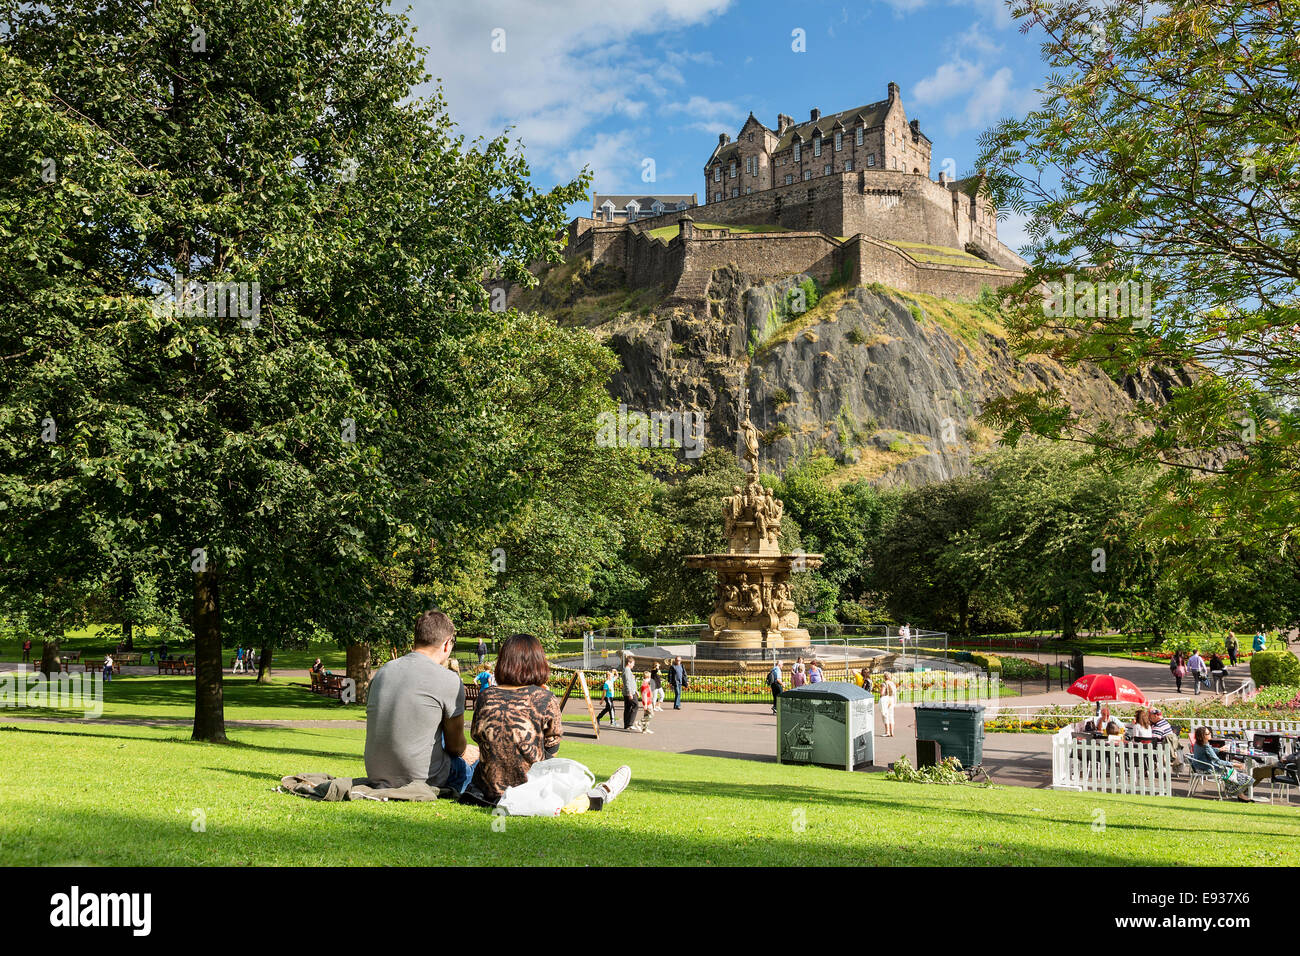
(783, 123)
(916, 126)
(815, 114)
(722, 139)
(893, 90)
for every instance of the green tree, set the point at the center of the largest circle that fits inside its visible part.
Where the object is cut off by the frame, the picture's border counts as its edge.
(928, 558)
(1165, 151)
(351, 433)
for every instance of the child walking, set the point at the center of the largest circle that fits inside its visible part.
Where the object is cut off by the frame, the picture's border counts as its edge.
(608, 688)
(647, 703)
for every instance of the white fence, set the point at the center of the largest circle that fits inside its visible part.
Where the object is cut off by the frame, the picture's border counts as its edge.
(1106, 767)
(1219, 725)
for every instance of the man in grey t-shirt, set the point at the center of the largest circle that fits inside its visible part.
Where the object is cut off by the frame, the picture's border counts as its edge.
(631, 703)
(415, 714)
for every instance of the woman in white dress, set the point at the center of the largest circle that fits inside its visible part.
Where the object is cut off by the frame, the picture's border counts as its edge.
(888, 698)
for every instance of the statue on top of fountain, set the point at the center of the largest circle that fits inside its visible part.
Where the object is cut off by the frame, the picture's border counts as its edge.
(752, 515)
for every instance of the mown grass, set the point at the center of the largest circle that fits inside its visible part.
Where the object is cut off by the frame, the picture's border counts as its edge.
(139, 796)
(667, 233)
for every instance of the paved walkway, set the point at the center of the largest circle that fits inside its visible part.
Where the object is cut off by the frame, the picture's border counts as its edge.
(1152, 678)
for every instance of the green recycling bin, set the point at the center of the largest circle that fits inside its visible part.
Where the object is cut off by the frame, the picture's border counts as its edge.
(959, 729)
(829, 723)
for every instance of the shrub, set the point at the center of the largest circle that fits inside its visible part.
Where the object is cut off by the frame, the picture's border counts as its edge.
(1022, 668)
(986, 661)
(1274, 667)
(780, 397)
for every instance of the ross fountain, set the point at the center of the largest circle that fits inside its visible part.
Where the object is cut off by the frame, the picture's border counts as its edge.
(752, 613)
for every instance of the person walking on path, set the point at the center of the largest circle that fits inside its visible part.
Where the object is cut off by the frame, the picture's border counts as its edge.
(1178, 668)
(677, 681)
(1196, 669)
(797, 676)
(630, 704)
(1259, 643)
(647, 702)
(481, 649)
(774, 682)
(815, 672)
(657, 688)
(108, 668)
(1218, 673)
(1233, 646)
(27, 650)
(888, 700)
(608, 689)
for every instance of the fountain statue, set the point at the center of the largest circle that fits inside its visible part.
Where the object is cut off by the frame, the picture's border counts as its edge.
(752, 610)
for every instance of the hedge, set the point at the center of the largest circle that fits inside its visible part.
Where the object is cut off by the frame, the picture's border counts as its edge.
(1274, 667)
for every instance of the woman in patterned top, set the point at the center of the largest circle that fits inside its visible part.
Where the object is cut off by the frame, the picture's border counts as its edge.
(516, 723)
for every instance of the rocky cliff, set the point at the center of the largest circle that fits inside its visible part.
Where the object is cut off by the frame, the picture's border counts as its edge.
(888, 383)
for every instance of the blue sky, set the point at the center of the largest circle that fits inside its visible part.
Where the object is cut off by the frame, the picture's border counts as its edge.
(612, 83)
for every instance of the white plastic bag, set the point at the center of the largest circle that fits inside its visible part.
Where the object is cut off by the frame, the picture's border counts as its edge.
(550, 785)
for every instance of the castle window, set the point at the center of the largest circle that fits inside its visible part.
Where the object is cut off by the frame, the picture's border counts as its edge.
(826, 170)
(748, 190)
(893, 138)
(848, 165)
(839, 141)
(807, 174)
(717, 174)
(788, 179)
(681, 206)
(857, 141)
(798, 153)
(731, 170)
(871, 159)
(817, 145)
(717, 197)
(735, 191)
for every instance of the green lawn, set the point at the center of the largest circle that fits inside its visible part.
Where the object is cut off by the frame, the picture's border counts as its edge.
(124, 796)
(171, 698)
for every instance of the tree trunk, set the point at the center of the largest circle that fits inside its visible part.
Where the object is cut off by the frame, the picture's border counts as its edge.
(264, 666)
(359, 668)
(209, 706)
(128, 635)
(50, 657)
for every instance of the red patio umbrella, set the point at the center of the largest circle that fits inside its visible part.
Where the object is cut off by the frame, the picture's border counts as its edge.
(1099, 687)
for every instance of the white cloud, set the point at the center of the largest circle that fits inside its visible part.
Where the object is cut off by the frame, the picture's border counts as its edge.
(562, 74)
(949, 79)
(708, 116)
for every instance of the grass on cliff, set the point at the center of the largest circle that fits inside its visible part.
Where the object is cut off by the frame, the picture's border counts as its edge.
(942, 255)
(144, 796)
(666, 233)
(969, 321)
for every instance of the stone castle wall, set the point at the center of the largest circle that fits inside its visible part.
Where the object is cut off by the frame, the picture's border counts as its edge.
(861, 259)
(884, 204)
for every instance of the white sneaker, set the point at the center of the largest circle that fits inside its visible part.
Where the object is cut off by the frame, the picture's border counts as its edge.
(647, 731)
(607, 792)
(634, 730)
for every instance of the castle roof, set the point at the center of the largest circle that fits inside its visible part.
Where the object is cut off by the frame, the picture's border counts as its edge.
(873, 114)
(644, 202)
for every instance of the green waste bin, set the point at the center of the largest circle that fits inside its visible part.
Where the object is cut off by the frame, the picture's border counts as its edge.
(829, 723)
(959, 729)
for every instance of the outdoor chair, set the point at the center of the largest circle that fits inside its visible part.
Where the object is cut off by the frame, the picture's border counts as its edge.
(1201, 773)
(1287, 777)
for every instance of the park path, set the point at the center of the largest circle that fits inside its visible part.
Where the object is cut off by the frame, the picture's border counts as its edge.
(1151, 677)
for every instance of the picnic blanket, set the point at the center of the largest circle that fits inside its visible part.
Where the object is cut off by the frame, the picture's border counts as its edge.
(323, 786)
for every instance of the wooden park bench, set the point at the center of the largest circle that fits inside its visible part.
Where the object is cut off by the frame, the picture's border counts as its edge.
(128, 658)
(175, 666)
(73, 656)
(327, 685)
(93, 666)
(471, 694)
